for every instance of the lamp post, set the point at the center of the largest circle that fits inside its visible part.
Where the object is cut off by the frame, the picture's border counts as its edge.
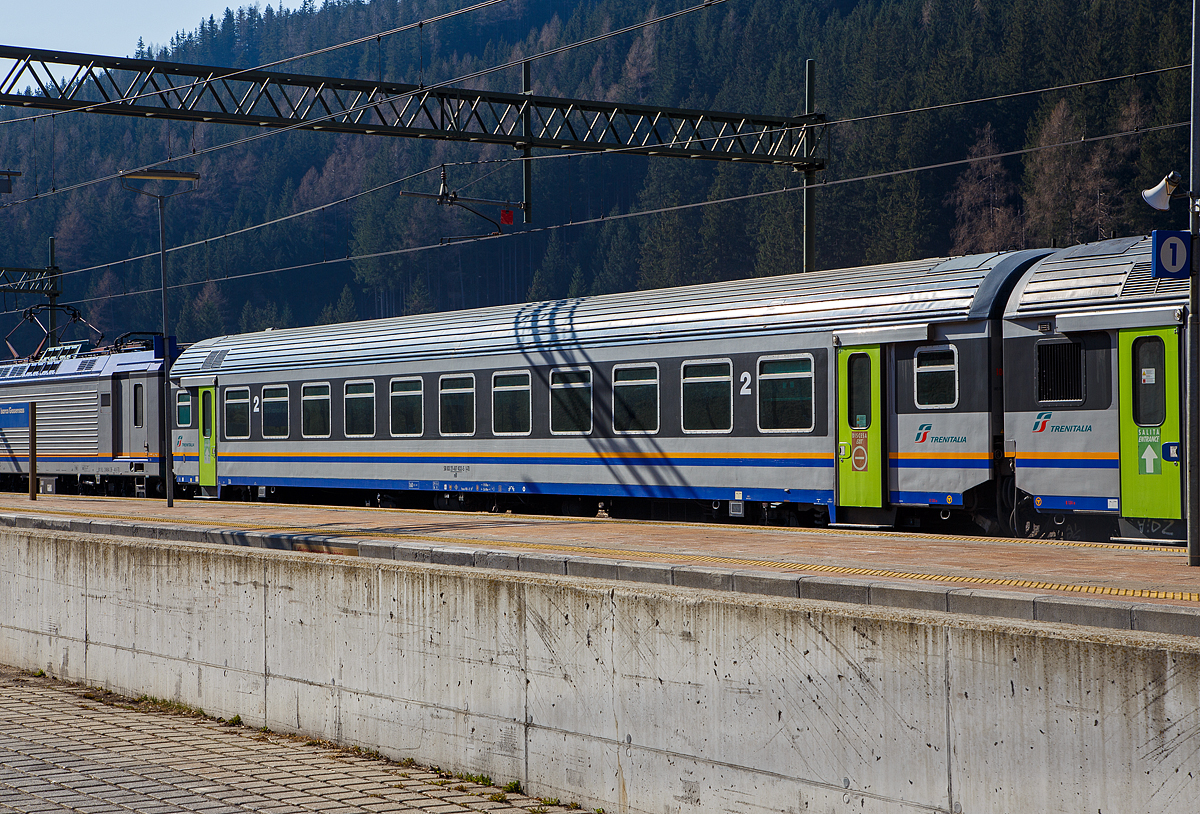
(165, 391)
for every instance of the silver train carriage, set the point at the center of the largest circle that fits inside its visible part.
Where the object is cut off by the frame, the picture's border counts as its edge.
(1094, 356)
(868, 395)
(98, 421)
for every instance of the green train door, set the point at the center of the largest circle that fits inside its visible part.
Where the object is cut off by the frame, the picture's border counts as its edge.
(861, 465)
(208, 436)
(1151, 476)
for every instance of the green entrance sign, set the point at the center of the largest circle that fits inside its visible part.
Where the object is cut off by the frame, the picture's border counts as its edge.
(1149, 370)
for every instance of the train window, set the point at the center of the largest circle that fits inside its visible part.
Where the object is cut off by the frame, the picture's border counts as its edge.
(635, 399)
(360, 409)
(571, 402)
(237, 413)
(1149, 381)
(707, 396)
(183, 409)
(1060, 371)
(139, 405)
(936, 380)
(457, 408)
(858, 396)
(785, 394)
(510, 404)
(206, 413)
(314, 411)
(406, 407)
(275, 412)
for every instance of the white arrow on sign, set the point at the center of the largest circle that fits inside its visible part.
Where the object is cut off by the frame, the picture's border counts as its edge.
(1149, 457)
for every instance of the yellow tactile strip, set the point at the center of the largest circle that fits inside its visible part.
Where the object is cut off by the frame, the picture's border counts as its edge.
(627, 554)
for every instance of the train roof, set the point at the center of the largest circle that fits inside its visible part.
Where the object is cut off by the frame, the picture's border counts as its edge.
(1110, 276)
(57, 365)
(917, 292)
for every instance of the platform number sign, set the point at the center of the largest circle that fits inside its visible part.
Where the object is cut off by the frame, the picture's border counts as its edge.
(1172, 252)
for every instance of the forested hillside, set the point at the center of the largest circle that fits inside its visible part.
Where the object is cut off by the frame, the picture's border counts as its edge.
(873, 57)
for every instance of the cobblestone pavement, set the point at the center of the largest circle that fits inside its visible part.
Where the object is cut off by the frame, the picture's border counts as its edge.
(68, 748)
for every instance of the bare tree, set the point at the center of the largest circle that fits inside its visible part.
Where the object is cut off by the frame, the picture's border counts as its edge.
(1056, 180)
(985, 219)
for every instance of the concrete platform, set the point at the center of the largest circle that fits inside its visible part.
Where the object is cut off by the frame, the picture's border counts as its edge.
(1127, 586)
(67, 748)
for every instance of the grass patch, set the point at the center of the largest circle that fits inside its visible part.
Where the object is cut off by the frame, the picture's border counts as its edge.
(514, 787)
(498, 797)
(481, 779)
(149, 702)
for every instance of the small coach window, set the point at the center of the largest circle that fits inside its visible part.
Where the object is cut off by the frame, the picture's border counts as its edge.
(237, 413)
(635, 399)
(571, 402)
(206, 412)
(1149, 381)
(936, 378)
(785, 394)
(510, 404)
(858, 396)
(360, 409)
(275, 412)
(1060, 371)
(406, 407)
(457, 414)
(183, 409)
(314, 411)
(138, 405)
(707, 396)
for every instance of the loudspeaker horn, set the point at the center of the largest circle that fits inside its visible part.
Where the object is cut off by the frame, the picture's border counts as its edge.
(1160, 196)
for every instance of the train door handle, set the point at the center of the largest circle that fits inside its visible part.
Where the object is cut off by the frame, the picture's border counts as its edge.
(843, 451)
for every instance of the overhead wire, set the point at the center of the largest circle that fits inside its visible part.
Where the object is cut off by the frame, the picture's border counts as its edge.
(618, 150)
(647, 212)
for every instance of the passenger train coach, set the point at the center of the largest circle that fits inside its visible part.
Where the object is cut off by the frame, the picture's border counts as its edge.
(1028, 393)
(854, 396)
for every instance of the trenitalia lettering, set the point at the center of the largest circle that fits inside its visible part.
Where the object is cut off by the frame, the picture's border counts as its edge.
(1042, 424)
(923, 435)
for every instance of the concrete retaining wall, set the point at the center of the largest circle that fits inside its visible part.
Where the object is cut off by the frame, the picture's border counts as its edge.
(630, 697)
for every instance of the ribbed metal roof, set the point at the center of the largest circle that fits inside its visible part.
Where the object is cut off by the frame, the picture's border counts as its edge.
(1095, 276)
(920, 291)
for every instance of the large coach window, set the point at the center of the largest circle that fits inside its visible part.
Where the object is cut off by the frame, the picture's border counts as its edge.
(571, 402)
(635, 399)
(707, 396)
(858, 387)
(139, 405)
(183, 409)
(936, 380)
(785, 394)
(237, 413)
(406, 407)
(275, 412)
(1149, 381)
(360, 409)
(1060, 371)
(314, 411)
(510, 404)
(457, 405)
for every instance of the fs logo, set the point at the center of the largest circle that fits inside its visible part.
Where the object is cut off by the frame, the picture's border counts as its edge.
(1039, 423)
(923, 433)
